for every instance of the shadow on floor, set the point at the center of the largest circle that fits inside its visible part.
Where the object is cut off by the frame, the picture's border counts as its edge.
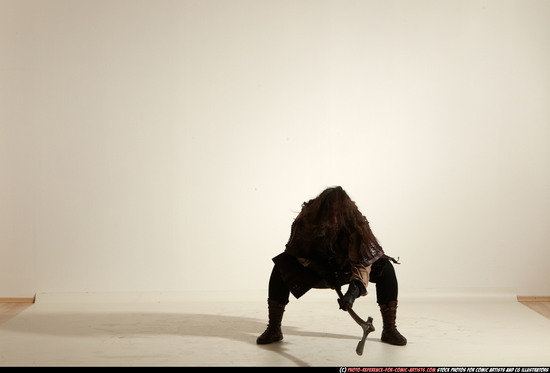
(134, 325)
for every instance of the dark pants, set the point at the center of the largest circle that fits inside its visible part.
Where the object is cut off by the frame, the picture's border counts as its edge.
(382, 274)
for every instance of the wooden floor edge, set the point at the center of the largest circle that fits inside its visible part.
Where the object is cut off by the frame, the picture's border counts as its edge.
(534, 299)
(17, 300)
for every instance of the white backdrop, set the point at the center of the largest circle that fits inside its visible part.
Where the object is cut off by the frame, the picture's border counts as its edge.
(167, 145)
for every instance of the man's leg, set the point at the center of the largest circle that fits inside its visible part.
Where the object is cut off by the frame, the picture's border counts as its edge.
(278, 297)
(383, 275)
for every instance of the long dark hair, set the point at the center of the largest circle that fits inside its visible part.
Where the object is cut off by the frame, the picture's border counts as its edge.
(331, 213)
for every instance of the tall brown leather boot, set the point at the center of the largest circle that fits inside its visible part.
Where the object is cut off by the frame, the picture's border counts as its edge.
(273, 332)
(389, 332)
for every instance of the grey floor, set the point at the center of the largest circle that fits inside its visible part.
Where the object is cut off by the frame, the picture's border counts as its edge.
(220, 329)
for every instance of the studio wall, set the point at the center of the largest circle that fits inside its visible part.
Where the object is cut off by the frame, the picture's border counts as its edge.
(168, 145)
